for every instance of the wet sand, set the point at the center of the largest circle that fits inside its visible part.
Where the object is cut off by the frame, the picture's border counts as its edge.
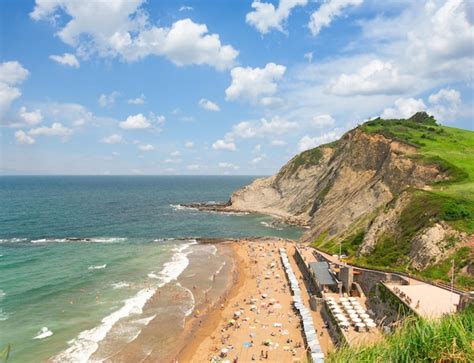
(256, 321)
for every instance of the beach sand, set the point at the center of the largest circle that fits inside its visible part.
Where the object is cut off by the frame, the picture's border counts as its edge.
(256, 320)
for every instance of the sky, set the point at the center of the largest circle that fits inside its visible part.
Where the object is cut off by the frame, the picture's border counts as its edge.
(215, 87)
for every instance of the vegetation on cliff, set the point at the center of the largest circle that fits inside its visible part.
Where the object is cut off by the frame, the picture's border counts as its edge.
(418, 340)
(450, 201)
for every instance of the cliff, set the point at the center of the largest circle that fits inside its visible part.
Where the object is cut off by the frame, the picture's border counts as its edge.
(387, 192)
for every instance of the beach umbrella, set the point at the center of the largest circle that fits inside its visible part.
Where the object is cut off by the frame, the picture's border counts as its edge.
(356, 320)
(364, 316)
(337, 311)
(342, 299)
(353, 316)
(352, 299)
(368, 320)
(371, 325)
(360, 326)
(350, 311)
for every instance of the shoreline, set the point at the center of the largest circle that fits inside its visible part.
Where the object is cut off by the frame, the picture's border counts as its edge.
(262, 296)
(197, 332)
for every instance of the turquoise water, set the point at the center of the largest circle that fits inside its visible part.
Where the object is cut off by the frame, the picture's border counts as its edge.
(81, 256)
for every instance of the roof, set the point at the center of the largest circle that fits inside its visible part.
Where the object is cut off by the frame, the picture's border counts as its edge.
(321, 271)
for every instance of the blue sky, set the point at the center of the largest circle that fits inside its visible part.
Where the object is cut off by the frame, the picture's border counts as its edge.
(218, 87)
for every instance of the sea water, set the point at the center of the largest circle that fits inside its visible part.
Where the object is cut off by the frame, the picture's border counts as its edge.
(82, 258)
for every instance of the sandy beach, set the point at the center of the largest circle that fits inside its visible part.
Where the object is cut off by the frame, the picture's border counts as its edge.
(256, 321)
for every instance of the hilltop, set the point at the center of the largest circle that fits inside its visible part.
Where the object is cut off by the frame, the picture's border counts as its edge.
(392, 194)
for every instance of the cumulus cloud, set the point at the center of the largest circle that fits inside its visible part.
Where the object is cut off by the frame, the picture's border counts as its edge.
(266, 17)
(123, 29)
(445, 104)
(12, 74)
(112, 139)
(135, 122)
(307, 142)
(108, 100)
(30, 118)
(278, 142)
(377, 77)
(257, 159)
(67, 59)
(251, 129)
(56, 129)
(22, 138)
(175, 154)
(224, 165)
(329, 10)
(208, 105)
(146, 147)
(404, 108)
(137, 101)
(322, 121)
(224, 145)
(189, 144)
(252, 84)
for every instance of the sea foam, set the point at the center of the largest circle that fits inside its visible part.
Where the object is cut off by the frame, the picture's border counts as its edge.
(98, 267)
(43, 333)
(87, 342)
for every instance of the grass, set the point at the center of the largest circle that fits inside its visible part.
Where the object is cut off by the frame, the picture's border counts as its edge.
(442, 270)
(448, 339)
(451, 148)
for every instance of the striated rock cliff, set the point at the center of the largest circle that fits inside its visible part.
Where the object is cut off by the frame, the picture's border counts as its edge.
(366, 181)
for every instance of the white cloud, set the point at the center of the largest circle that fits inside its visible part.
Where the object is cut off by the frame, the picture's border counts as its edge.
(329, 10)
(137, 101)
(208, 105)
(404, 108)
(108, 100)
(185, 8)
(122, 28)
(257, 159)
(445, 104)
(377, 77)
(278, 142)
(266, 17)
(224, 165)
(56, 129)
(224, 145)
(250, 129)
(193, 167)
(322, 121)
(308, 56)
(175, 154)
(158, 119)
(30, 118)
(12, 74)
(257, 148)
(67, 59)
(112, 139)
(173, 161)
(307, 142)
(251, 84)
(146, 147)
(189, 144)
(22, 138)
(135, 122)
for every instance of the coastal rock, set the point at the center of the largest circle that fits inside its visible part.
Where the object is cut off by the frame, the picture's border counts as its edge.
(334, 186)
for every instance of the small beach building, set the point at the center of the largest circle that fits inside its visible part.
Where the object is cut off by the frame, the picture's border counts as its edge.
(322, 276)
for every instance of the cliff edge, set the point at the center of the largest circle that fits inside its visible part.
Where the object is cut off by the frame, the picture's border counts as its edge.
(389, 193)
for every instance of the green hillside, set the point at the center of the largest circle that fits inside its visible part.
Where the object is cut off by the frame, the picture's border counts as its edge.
(451, 201)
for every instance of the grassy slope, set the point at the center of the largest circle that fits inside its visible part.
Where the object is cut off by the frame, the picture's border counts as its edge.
(451, 201)
(417, 340)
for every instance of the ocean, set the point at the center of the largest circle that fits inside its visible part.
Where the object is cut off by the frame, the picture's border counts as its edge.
(87, 263)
